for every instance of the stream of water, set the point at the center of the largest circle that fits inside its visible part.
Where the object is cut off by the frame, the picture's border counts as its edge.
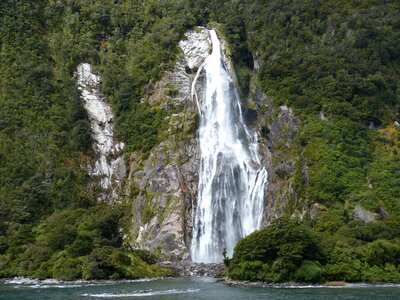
(231, 179)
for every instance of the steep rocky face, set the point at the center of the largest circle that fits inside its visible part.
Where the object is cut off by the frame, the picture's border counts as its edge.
(164, 185)
(279, 127)
(108, 167)
(196, 47)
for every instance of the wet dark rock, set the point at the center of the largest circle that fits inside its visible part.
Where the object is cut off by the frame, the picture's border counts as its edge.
(382, 212)
(197, 269)
(278, 127)
(250, 116)
(372, 122)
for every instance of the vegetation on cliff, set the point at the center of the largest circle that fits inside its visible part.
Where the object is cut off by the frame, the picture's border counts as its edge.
(336, 65)
(76, 243)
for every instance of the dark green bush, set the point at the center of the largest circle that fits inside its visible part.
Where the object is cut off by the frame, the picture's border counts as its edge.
(283, 247)
(310, 271)
(288, 251)
(66, 268)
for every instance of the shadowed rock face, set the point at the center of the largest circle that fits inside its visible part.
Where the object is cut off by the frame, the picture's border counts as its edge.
(166, 182)
(279, 127)
(108, 167)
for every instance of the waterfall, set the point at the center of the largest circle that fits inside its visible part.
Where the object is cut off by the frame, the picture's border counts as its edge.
(231, 179)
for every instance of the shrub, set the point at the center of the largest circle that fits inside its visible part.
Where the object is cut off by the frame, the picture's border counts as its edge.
(283, 246)
(310, 271)
(66, 268)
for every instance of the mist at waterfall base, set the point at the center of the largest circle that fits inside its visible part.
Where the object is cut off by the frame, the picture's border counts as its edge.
(231, 178)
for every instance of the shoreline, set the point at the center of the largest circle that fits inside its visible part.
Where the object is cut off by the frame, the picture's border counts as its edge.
(329, 284)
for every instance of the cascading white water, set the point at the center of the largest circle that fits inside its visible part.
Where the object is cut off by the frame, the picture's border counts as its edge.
(231, 180)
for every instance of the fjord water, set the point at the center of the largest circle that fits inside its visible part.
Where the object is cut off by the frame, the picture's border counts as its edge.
(231, 179)
(185, 288)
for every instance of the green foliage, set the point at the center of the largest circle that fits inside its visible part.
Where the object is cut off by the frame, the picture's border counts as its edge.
(288, 251)
(146, 256)
(66, 268)
(253, 271)
(309, 271)
(283, 246)
(105, 262)
(43, 126)
(76, 244)
(59, 229)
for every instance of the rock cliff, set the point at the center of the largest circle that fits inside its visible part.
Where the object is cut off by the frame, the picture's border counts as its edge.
(278, 127)
(163, 186)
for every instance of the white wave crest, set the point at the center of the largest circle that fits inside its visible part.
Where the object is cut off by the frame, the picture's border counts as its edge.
(145, 293)
(54, 283)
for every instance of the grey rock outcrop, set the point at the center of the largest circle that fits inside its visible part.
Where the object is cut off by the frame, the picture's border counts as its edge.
(361, 213)
(196, 47)
(278, 126)
(316, 209)
(108, 168)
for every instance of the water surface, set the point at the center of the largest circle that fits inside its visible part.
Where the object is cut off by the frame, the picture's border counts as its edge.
(185, 288)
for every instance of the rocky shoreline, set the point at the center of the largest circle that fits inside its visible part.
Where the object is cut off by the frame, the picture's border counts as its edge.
(185, 269)
(329, 284)
(202, 270)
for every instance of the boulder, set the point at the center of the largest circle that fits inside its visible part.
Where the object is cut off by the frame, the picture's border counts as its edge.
(359, 213)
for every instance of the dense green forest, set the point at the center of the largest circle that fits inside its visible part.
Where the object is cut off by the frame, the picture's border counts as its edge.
(340, 58)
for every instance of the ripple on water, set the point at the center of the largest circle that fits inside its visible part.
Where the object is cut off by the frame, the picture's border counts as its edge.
(346, 286)
(145, 293)
(21, 282)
